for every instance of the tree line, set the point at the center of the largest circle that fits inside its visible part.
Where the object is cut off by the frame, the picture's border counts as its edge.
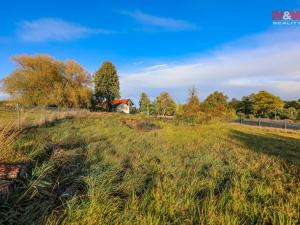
(266, 105)
(42, 80)
(257, 105)
(214, 106)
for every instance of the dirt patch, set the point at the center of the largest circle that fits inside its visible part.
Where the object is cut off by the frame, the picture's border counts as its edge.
(140, 124)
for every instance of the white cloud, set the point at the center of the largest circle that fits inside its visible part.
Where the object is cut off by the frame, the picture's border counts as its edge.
(270, 62)
(286, 87)
(155, 67)
(166, 23)
(51, 29)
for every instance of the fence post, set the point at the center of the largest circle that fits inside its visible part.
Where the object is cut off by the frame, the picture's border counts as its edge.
(18, 115)
(45, 119)
(285, 124)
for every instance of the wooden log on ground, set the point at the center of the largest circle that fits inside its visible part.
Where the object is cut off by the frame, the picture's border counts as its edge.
(10, 172)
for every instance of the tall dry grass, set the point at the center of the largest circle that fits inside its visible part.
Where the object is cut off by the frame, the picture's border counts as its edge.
(8, 137)
(10, 130)
(37, 117)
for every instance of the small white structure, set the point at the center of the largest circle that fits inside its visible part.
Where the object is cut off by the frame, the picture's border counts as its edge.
(122, 105)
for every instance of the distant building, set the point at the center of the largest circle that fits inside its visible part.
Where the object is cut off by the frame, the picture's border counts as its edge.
(122, 105)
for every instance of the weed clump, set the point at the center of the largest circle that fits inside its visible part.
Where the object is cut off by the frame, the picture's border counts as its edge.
(140, 124)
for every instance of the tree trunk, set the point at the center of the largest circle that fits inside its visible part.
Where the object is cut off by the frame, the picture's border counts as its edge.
(109, 105)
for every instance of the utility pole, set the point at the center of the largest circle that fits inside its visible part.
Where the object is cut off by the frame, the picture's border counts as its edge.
(285, 124)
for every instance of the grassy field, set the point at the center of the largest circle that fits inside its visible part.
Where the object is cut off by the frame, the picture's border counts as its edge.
(33, 117)
(97, 170)
(24, 118)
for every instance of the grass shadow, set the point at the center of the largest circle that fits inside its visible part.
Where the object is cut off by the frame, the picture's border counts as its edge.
(286, 148)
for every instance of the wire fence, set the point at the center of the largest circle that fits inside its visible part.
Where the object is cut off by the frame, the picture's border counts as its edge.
(21, 117)
(284, 124)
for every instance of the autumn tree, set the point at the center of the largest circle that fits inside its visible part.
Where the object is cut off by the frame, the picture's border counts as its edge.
(216, 106)
(41, 80)
(144, 103)
(292, 113)
(36, 80)
(193, 104)
(180, 110)
(107, 86)
(215, 102)
(266, 105)
(165, 105)
(294, 103)
(76, 86)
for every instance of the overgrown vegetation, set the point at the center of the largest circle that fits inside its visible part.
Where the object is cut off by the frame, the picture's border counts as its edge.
(100, 171)
(27, 118)
(214, 107)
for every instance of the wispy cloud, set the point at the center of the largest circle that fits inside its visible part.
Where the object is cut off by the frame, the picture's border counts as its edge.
(52, 29)
(156, 21)
(158, 66)
(237, 69)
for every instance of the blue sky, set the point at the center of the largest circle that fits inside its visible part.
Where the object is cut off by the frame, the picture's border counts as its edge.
(229, 45)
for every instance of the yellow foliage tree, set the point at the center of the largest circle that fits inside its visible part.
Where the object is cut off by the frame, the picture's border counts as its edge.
(42, 80)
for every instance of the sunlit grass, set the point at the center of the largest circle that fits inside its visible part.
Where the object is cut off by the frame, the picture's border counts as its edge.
(37, 117)
(175, 174)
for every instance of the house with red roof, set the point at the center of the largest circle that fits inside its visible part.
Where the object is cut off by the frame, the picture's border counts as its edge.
(122, 105)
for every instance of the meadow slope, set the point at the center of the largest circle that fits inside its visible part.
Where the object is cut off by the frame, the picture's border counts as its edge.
(100, 171)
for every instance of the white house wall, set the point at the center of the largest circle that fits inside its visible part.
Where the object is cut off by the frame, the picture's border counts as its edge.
(123, 108)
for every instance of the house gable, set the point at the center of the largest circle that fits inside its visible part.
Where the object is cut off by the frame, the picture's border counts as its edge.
(122, 105)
